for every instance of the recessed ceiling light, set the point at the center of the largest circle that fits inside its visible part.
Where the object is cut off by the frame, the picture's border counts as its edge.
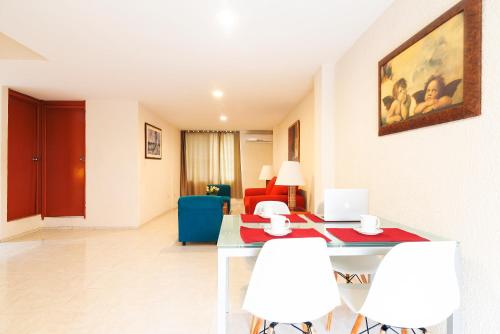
(227, 18)
(223, 118)
(218, 93)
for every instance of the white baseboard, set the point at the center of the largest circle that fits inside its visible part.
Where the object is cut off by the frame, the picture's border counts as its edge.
(113, 228)
(20, 235)
(159, 215)
(82, 227)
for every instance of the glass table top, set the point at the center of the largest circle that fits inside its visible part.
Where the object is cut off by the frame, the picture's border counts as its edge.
(229, 235)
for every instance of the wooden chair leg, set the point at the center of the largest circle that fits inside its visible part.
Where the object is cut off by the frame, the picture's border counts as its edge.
(363, 278)
(258, 323)
(252, 326)
(329, 319)
(357, 323)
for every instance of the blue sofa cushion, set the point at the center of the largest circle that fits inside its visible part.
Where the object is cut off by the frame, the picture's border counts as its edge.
(199, 218)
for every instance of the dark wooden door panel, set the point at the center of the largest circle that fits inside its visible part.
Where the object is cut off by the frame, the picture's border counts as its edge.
(64, 159)
(22, 157)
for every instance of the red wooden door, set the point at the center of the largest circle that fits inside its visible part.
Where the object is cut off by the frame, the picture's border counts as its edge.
(22, 157)
(64, 159)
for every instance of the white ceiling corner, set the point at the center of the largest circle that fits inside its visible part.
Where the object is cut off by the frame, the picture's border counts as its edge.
(10, 49)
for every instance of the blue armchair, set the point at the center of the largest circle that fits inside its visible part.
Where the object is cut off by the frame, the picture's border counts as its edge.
(225, 193)
(200, 218)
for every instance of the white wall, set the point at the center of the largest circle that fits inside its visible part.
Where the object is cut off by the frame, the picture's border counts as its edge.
(112, 168)
(20, 226)
(253, 156)
(304, 112)
(159, 179)
(123, 190)
(324, 135)
(443, 179)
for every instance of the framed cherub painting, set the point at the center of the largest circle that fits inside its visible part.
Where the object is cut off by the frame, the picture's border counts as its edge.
(435, 76)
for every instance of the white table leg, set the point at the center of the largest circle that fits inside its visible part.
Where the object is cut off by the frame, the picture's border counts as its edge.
(222, 291)
(228, 295)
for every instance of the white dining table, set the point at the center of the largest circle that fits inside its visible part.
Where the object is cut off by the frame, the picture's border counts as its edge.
(230, 245)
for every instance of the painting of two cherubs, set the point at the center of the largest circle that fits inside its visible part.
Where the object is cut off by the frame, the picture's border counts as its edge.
(424, 79)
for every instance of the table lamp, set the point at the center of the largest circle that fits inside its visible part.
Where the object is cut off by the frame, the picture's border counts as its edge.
(290, 175)
(266, 173)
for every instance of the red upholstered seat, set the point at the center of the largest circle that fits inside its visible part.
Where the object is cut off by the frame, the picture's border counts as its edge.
(271, 193)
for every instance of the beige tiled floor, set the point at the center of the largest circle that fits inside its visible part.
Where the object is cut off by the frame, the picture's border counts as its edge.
(126, 281)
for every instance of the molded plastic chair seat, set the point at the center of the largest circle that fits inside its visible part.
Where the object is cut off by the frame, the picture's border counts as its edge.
(280, 289)
(354, 266)
(279, 208)
(365, 264)
(427, 296)
(354, 295)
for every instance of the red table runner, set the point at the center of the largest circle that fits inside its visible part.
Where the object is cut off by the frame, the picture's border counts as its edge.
(258, 219)
(388, 235)
(315, 218)
(249, 235)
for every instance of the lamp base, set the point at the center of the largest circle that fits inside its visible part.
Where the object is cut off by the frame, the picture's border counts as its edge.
(292, 191)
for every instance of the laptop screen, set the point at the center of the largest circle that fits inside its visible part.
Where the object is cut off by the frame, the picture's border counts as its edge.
(345, 205)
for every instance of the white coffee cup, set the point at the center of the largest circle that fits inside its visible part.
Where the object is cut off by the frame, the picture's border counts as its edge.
(279, 223)
(370, 223)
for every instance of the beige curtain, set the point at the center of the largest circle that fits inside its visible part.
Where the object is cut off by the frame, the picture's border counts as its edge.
(237, 191)
(210, 157)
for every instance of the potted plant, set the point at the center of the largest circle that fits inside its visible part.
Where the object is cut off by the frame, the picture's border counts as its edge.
(212, 190)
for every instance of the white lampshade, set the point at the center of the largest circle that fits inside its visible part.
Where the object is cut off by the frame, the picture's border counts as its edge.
(266, 173)
(290, 174)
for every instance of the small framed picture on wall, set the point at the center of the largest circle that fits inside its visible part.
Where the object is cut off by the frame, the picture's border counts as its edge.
(152, 141)
(294, 142)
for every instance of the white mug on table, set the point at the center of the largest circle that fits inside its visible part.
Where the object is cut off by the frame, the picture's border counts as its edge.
(370, 223)
(279, 223)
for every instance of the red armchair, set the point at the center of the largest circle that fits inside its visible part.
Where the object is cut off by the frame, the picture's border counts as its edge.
(271, 193)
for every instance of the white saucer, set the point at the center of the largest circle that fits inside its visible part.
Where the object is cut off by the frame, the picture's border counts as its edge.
(268, 230)
(360, 230)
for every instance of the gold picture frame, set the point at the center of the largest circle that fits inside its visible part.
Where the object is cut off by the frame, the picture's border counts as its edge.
(435, 76)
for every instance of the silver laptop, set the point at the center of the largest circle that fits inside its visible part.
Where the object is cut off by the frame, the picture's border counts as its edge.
(345, 205)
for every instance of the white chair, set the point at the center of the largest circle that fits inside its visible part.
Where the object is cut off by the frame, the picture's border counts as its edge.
(280, 289)
(279, 208)
(426, 296)
(351, 267)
